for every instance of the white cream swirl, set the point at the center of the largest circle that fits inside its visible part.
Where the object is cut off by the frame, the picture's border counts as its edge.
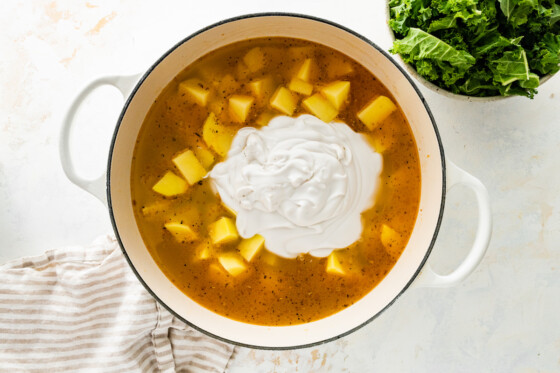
(301, 183)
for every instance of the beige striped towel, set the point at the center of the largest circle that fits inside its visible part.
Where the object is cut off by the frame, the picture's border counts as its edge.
(82, 309)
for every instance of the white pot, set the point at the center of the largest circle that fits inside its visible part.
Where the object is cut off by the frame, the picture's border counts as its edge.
(438, 175)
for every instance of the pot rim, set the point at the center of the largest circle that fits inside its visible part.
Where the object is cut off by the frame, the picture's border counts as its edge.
(274, 14)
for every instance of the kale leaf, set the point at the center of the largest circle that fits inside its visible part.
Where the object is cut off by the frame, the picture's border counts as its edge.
(479, 47)
(448, 62)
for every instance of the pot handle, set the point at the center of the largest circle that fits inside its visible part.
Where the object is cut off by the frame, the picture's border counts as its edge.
(429, 278)
(97, 187)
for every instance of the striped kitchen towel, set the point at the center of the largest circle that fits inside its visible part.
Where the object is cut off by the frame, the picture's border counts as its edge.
(83, 310)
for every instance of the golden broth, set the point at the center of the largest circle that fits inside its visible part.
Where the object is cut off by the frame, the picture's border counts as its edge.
(271, 290)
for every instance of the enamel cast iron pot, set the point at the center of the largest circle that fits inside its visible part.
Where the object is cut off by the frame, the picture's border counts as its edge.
(438, 176)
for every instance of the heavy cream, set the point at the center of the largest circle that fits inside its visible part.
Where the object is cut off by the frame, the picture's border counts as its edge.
(299, 182)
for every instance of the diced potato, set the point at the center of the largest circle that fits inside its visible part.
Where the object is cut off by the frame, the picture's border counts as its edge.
(334, 266)
(163, 209)
(232, 263)
(320, 107)
(204, 250)
(284, 101)
(264, 118)
(170, 185)
(216, 136)
(217, 273)
(204, 253)
(223, 231)
(337, 93)
(189, 166)
(229, 209)
(242, 72)
(391, 240)
(399, 177)
(300, 86)
(181, 232)
(248, 248)
(155, 208)
(209, 72)
(213, 211)
(262, 88)
(254, 59)
(188, 214)
(304, 72)
(239, 107)
(195, 90)
(269, 258)
(380, 144)
(336, 69)
(376, 111)
(218, 106)
(205, 157)
(352, 259)
(227, 85)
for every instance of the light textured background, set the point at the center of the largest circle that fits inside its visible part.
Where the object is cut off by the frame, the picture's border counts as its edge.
(503, 318)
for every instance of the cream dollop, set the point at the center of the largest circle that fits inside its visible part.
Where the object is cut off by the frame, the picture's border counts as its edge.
(299, 182)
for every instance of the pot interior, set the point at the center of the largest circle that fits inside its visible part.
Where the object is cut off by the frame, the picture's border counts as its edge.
(431, 161)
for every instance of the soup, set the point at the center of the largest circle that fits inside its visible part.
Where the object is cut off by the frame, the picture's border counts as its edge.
(192, 234)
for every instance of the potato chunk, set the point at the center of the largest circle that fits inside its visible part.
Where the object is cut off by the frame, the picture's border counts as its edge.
(337, 93)
(223, 231)
(229, 209)
(269, 258)
(284, 101)
(232, 263)
(205, 157)
(336, 69)
(333, 265)
(376, 111)
(204, 250)
(217, 136)
(304, 72)
(265, 117)
(254, 59)
(218, 274)
(204, 253)
(156, 208)
(190, 167)
(181, 232)
(262, 88)
(226, 85)
(379, 143)
(391, 240)
(300, 86)
(239, 107)
(320, 107)
(195, 90)
(170, 185)
(248, 248)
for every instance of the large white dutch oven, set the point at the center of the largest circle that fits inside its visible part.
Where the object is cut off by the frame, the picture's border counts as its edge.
(438, 176)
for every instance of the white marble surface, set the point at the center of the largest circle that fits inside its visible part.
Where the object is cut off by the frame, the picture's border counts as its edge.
(503, 318)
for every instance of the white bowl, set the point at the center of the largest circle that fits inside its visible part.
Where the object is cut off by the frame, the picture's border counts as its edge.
(412, 71)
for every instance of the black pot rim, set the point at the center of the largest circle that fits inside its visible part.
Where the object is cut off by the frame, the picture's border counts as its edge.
(274, 14)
